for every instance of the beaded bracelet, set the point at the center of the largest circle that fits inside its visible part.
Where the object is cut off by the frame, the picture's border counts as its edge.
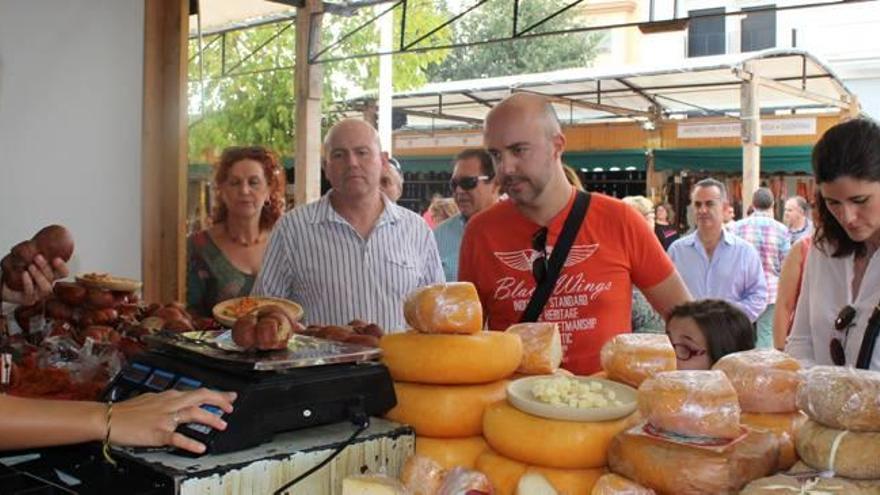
(106, 448)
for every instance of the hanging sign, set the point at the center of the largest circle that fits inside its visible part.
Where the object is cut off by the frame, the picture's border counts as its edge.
(771, 127)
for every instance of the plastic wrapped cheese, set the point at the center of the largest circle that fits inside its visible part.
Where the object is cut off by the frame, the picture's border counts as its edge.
(673, 468)
(445, 411)
(465, 481)
(451, 359)
(851, 454)
(444, 308)
(842, 397)
(782, 484)
(614, 484)
(422, 475)
(784, 426)
(691, 403)
(548, 442)
(633, 357)
(452, 452)
(766, 380)
(542, 347)
(504, 473)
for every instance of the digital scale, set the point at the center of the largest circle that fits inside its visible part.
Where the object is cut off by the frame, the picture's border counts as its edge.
(313, 382)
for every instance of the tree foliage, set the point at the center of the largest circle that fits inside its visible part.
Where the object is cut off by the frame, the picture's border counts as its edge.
(494, 20)
(242, 90)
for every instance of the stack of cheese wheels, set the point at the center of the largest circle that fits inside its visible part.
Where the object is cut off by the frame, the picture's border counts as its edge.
(842, 434)
(701, 404)
(632, 358)
(569, 455)
(766, 382)
(446, 371)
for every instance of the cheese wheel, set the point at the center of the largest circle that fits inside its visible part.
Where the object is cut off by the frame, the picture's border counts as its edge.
(504, 473)
(422, 475)
(569, 481)
(691, 403)
(765, 380)
(542, 347)
(533, 483)
(614, 484)
(673, 468)
(372, 485)
(444, 308)
(633, 357)
(445, 411)
(451, 359)
(452, 452)
(784, 426)
(842, 397)
(781, 484)
(547, 442)
(851, 454)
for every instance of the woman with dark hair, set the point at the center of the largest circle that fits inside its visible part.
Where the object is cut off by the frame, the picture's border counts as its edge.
(841, 281)
(224, 260)
(702, 332)
(664, 224)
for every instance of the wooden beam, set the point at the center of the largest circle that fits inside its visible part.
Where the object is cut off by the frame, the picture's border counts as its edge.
(750, 115)
(308, 86)
(164, 146)
(791, 90)
(612, 109)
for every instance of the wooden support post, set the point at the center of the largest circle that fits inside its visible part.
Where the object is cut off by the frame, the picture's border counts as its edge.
(853, 110)
(164, 149)
(750, 116)
(308, 87)
(655, 181)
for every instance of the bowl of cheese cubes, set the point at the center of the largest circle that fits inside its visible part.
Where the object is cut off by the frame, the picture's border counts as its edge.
(572, 398)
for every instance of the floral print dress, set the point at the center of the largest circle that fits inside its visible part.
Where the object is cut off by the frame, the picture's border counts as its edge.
(211, 278)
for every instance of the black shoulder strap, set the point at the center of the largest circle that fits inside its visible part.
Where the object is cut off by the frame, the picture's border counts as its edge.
(557, 259)
(869, 341)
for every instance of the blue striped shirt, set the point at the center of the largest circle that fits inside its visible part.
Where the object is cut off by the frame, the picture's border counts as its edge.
(448, 235)
(316, 258)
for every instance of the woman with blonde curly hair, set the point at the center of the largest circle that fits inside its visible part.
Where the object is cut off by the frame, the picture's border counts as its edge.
(223, 260)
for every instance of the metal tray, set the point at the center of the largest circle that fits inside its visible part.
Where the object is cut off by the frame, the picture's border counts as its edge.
(302, 351)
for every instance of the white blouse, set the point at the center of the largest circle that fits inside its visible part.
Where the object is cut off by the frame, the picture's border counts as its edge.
(826, 288)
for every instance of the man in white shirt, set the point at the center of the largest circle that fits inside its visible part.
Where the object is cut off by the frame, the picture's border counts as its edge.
(353, 254)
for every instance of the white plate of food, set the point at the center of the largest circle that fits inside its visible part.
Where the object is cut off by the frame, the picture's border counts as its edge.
(572, 398)
(108, 282)
(230, 310)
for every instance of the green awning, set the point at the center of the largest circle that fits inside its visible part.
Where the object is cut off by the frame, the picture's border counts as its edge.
(774, 159)
(425, 163)
(605, 159)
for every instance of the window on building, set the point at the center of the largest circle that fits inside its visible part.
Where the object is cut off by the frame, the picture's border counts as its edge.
(706, 32)
(758, 29)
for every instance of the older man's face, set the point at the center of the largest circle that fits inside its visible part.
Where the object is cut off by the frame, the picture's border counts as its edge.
(353, 160)
(793, 215)
(709, 208)
(483, 195)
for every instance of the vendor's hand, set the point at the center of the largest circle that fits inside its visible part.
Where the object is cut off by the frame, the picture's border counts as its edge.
(37, 281)
(149, 420)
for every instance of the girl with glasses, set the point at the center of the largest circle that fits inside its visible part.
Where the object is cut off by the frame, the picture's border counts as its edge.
(704, 331)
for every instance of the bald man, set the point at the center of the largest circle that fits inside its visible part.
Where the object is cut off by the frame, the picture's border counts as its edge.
(614, 248)
(353, 254)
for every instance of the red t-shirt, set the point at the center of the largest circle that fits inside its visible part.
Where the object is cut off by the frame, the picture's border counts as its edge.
(592, 300)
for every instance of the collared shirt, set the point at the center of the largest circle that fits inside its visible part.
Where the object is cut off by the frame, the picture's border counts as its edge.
(771, 239)
(448, 235)
(316, 258)
(734, 273)
(805, 231)
(825, 290)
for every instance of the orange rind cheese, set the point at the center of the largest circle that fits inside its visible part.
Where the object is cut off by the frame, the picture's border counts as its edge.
(614, 484)
(784, 426)
(766, 380)
(451, 359)
(445, 411)
(444, 308)
(691, 403)
(542, 347)
(452, 452)
(633, 357)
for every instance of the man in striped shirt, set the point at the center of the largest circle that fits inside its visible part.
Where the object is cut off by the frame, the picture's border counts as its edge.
(353, 254)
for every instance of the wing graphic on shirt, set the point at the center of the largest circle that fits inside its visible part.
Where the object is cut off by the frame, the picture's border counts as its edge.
(580, 253)
(518, 260)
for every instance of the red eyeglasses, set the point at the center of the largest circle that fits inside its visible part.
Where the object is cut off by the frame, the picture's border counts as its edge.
(685, 353)
(843, 322)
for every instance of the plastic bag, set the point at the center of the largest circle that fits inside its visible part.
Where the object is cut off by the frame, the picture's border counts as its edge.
(841, 397)
(444, 308)
(766, 380)
(632, 358)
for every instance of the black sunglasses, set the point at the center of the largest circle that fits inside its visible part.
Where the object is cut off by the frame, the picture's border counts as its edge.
(842, 323)
(467, 183)
(541, 262)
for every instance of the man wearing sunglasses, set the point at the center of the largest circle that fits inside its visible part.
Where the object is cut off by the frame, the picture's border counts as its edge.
(473, 189)
(505, 249)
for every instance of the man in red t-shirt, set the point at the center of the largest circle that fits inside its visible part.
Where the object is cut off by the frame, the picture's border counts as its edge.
(613, 249)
